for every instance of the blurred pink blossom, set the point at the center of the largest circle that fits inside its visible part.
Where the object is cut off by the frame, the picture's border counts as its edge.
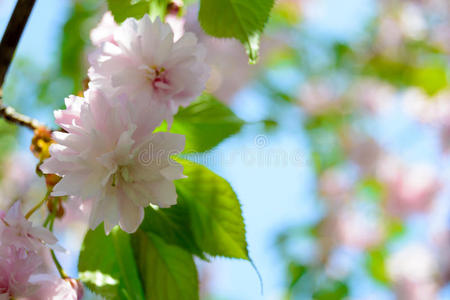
(373, 96)
(432, 110)
(319, 97)
(411, 188)
(413, 270)
(357, 229)
(362, 150)
(336, 186)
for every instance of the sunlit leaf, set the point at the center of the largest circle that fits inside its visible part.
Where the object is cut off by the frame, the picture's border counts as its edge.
(205, 123)
(169, 272)
(240, 19)
(216, 214)
(106, 265)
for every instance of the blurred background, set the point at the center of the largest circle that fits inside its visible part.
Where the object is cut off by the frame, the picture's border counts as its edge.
(342, 168)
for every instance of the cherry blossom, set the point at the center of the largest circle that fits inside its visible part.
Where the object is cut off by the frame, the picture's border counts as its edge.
(353, 225)
(17, 231)
(147, 65)
(413, 269)
(52, 287)
(411, 188)
(110, 156)
(16, 267)
(104, 32)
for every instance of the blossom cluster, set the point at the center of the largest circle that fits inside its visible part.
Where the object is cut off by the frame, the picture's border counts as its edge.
(109, 152)
(21, 248)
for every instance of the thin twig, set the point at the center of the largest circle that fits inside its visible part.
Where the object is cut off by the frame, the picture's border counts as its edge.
(12, 34)
(9, 114)
(37, 206)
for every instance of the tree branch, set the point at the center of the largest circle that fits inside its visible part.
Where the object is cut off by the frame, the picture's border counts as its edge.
(8, 46)
(12, 35)
(10, 115)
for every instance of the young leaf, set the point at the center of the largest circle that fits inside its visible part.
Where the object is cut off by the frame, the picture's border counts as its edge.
(107, 266)
(122, 9)
(216, 216)
(169, 271)
(240, 19)
(205, 123)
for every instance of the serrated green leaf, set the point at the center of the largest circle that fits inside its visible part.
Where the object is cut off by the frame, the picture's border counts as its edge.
(173, 225)
(205, 123)
(240, 19)
(122, 9)
(216, 215)
(106, 265)
(169, 271)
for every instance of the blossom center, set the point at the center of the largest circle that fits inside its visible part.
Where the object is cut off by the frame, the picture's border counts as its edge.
(122, 174)
(157, 77)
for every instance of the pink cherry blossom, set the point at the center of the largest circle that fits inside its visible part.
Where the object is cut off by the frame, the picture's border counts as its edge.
(110, 156)
(52, 287)
(319, 97)
(374, 96)
(353, 225)
(177, 25)
(104, 31)
(16, 267)
(145, 63)
(17, 231)
(411, 188)
(413, 270)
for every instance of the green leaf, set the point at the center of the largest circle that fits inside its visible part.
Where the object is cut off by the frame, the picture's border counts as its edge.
(107, 267)
(173, 225)
(127, 265)
(240, 19)
(169, 271)
(122, 9)
(97, 264)
(216, 215)
(205, 123)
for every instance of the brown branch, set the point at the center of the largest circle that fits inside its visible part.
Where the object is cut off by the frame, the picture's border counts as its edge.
(8, 46)
(12, 34)
(10, 115)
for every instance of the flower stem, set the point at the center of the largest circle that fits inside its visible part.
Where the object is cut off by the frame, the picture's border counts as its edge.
(58, 266)
(50, 222)
(37, 206)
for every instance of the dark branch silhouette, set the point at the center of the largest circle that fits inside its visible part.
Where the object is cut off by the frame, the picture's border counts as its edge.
(8, 46)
